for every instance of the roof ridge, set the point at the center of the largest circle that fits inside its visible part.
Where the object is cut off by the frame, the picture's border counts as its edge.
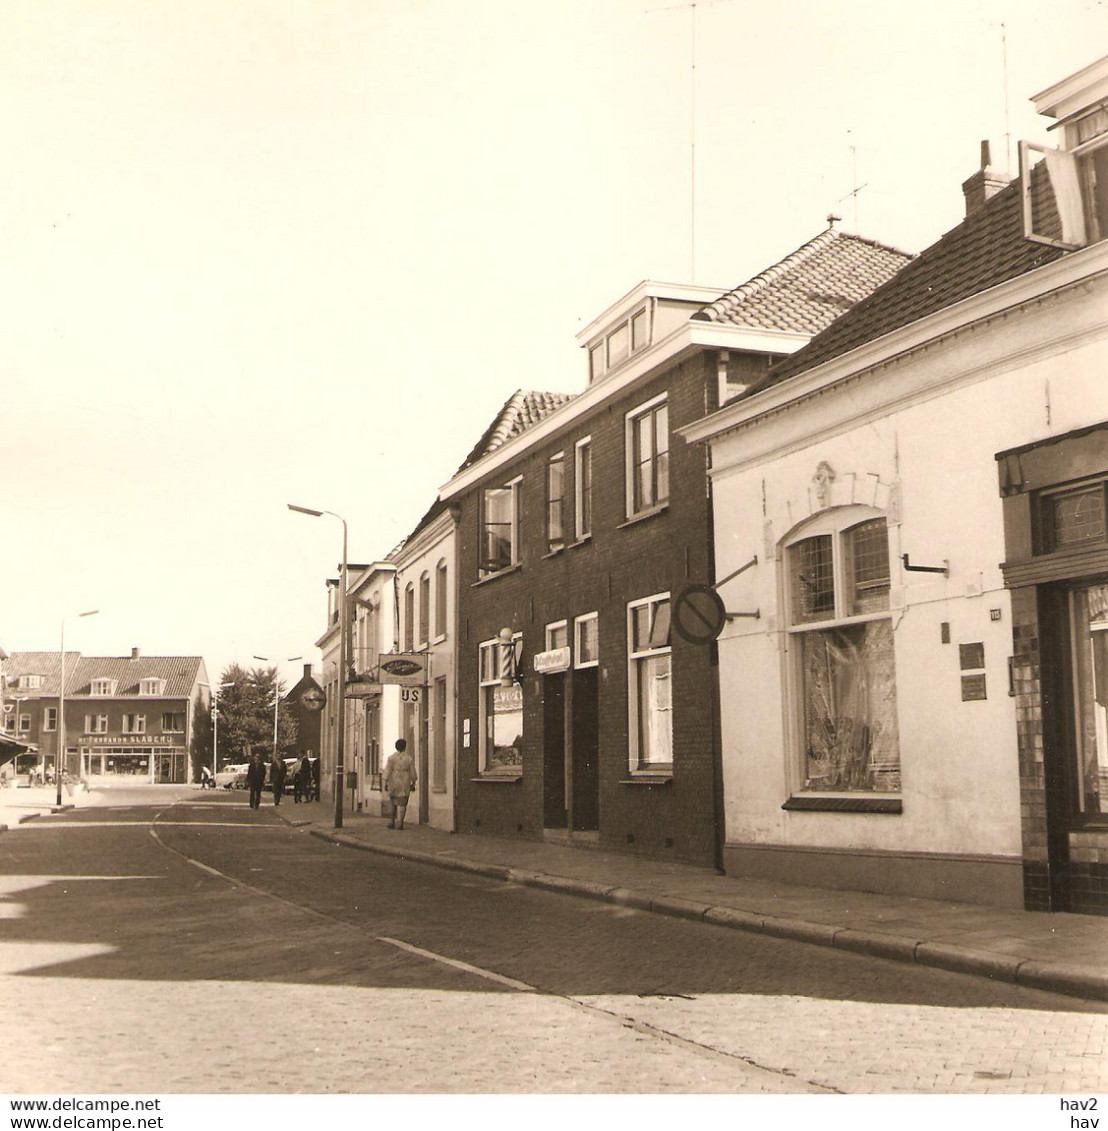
(760, 281)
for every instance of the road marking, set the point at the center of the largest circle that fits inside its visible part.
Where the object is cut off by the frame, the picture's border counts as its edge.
(146, 824)
(491, 975)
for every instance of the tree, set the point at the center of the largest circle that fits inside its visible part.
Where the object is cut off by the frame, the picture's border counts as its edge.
(246, 715)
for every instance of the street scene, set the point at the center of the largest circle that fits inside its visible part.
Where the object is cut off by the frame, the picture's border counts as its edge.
(157, 903)
(554, 550)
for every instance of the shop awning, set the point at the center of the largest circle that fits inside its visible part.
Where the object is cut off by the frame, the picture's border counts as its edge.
(9, 748)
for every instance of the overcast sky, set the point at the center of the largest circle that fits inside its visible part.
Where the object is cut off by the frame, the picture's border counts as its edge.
(302, 251)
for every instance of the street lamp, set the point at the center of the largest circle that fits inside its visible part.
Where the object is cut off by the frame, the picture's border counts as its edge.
(59, 756)
(340, 746)
(276, 695)
(215, 722)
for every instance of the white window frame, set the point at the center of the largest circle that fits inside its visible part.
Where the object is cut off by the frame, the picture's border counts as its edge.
(133, 723)
(551, 629)
(555, 540)
(581, 449)
(635, 664)
(513, 486)
(409, 617)
(151, 686)
(631, 420)
(836, 523)
(96, 724)
(29, 682)
(424, 608)
(487, 678)
(442, 597)
(171, 729)
(49, 719)
(578, 624)
(23, 724)
(102, 688)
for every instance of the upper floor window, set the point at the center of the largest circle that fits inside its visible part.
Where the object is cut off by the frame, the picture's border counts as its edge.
(619, 342)
(557, 635)
(647, 446)
(409, 617)
(500, 527)
(842, 670)
(555, 501)
(650, 685)
(152, 686)
(134, 724)
(173, 722)
(1072, 516)
(96, 724)
(29, 682)
(103, 687)
(582, 480)
(424, 608)
(50, 719)
(440, 600)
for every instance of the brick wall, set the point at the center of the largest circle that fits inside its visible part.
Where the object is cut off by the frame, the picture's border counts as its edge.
(621, 562)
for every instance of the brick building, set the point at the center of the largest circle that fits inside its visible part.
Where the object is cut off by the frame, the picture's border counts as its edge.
(126, 717)
(580, 520)
(921, 706)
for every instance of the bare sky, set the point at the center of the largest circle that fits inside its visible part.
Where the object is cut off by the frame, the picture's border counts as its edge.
(269, 251)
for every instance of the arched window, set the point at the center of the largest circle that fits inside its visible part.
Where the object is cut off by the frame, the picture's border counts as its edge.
(409, 617)
(842, 670)
(424, 608)
(440, 600)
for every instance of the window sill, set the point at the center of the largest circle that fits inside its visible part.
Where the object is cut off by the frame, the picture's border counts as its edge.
(648, 777)
(643, 516)
(554, 552)
(439, 639)
(583, 540)
(515, 568)
(499, 778)
(824, 804)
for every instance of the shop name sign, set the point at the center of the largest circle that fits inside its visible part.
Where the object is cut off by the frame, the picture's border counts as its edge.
(130, 740)
(556, 660)
(405, 669)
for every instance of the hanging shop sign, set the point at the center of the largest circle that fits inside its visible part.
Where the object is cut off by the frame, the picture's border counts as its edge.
(556, 660)
(405, 669)
(314, 698)
(362, 689)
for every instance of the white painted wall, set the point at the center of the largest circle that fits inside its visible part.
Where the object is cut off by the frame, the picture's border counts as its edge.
(918, 437)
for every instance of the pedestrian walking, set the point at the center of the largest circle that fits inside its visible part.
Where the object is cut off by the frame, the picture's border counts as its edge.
(277, 772)
(315, 779)
(255, 780)
(400, 779)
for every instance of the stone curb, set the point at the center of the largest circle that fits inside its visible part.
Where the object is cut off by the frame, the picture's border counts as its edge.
(1055, 978)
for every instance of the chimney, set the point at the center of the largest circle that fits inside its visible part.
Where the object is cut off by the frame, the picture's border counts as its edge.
(134, 653)
(307, 671)
(985, 183)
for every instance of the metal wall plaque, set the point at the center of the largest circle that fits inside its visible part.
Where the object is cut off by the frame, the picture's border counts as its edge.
(971, 656)
(973, 687)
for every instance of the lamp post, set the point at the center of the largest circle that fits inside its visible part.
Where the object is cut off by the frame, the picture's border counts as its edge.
(276, 695)
(215, 722)
(59, 756)
(340, 745)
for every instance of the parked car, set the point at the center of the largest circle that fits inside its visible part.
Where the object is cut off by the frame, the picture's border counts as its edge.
(232, 777)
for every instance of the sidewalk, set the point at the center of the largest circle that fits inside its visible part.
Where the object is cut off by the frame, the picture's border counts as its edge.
(23, 803)
(1066, 954)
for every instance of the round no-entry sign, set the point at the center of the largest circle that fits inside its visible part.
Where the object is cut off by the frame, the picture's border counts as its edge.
(698, 614)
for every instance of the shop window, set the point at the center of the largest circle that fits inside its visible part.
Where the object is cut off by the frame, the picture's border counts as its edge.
(841, 640)
(650, 684)
(647, 448)
(501, 708)
(1089, 621)
(582, 487)
(555, 501)
(499, 527)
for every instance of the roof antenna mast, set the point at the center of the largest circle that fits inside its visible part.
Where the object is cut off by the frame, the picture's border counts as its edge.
(692, 5)
(1007, 101)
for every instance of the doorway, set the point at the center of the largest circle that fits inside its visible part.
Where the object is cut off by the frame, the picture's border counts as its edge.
(554, 814)
(586, 750)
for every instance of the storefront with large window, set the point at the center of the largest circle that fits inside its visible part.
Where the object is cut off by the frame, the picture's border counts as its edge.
(150, 758)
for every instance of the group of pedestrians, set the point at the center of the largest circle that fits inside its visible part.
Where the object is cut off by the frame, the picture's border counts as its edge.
(399, 780)
(305, 782)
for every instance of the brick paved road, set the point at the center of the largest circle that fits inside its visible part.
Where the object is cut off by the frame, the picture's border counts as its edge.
(314, 968)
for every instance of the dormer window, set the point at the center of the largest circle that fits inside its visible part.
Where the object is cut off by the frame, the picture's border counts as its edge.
(152, 687)
(29, 682)
(619, 342)
(103, 687)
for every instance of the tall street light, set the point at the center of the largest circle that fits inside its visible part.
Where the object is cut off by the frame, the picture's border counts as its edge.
(59, 756)
(340, 746)
(276, 694)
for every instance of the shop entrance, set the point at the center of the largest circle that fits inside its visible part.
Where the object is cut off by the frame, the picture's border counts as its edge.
(554, 814)
(586, 750)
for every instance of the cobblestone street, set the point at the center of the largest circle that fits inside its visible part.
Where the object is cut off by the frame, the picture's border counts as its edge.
(205, 947)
